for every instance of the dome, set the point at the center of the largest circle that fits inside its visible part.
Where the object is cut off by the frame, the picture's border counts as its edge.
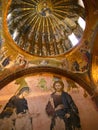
(46, 27)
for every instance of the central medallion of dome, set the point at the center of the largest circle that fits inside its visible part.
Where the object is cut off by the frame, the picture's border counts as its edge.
(46, 27)
(44, 8)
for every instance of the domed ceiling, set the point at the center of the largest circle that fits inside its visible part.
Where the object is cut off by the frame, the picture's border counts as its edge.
(46, 27)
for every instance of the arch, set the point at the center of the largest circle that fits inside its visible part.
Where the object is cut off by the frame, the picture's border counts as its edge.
(43, 69)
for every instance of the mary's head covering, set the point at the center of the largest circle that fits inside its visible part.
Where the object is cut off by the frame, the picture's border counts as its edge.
(26, 88)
